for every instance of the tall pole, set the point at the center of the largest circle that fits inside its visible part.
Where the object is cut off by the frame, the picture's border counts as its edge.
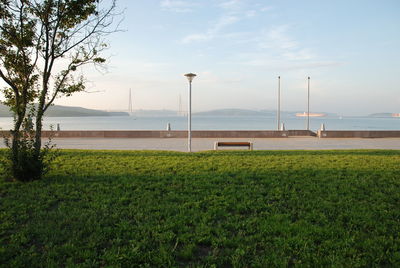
(190, 77)
(130, 105)
(130, 101)
(279, 104)
(190, 118)
(308, 104)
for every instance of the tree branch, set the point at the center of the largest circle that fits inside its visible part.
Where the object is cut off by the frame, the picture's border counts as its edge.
(9, 82)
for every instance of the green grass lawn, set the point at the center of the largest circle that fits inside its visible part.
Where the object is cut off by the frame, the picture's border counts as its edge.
(212, 209)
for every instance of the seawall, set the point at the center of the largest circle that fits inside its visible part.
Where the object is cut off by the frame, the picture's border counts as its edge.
(359, 133)
(173, 133)
(167, 134)
(218, 134)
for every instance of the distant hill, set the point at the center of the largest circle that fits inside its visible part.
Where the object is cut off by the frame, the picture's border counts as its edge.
(69, 111)
(4, 111)
(154, 113)
(233, 112)
(384, 115)
(66, 111)
(245, 112)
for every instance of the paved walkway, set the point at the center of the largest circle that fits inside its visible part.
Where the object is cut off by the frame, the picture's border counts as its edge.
(295, 143)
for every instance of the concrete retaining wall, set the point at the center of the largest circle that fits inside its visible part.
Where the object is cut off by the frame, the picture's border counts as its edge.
(167, 134)
(359, 134)
(300, 132)
(217, 134)
(183, 134)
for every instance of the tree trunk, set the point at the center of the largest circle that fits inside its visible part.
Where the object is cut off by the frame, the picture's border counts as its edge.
(38, 132)
(39, 115)
(16, 136)
(16, 143)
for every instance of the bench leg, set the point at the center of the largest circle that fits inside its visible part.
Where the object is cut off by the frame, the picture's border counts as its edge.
(251, 146)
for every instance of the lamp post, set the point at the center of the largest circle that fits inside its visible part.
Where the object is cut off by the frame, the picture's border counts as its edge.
(308, 104)
(190, 77)
(279, 104)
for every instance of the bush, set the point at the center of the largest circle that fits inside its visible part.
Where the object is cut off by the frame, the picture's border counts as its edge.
(24, 162)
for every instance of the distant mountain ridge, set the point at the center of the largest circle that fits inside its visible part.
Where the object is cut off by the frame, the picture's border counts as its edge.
(66, 111)
(70, 111)
(235, 112)
(246, 112)
(385, 115)
(152, 113)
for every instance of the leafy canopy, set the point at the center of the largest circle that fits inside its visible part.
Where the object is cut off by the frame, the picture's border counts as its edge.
(42, 45)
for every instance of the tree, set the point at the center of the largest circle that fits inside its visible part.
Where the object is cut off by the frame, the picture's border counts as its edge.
(42, 45)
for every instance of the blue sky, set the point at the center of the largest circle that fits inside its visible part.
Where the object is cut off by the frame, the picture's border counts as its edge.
(238, 48)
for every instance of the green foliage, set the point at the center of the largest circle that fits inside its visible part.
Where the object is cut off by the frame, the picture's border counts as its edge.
(55, 32)
(23, 162)
(17, 33)
(212, 209)
(42, 45)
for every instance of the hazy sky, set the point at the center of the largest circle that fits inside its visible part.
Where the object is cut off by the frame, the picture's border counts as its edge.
(238, 48)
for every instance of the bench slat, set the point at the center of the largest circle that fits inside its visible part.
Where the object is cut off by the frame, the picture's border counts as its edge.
(232, 144)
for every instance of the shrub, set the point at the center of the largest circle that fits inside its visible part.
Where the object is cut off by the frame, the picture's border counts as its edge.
(24, 162)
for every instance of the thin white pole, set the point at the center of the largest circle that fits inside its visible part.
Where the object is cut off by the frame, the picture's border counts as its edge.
(190, 118)
(308, 104)
(130, 101)
(279, 104)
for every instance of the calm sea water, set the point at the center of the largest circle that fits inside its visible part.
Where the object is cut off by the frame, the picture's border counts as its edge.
(212, 123)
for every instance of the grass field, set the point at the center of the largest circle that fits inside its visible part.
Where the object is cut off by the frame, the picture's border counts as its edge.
(212, 209)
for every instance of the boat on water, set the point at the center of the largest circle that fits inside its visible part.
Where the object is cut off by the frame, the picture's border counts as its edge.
(311, 114)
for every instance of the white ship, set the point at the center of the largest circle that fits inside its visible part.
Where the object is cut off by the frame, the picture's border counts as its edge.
(311, 114)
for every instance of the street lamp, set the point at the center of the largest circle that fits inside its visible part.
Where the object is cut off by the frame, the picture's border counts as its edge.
(279, 103)
(190, 77)
(308, 104)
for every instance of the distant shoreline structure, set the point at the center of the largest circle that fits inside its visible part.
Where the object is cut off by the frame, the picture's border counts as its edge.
(311, 114)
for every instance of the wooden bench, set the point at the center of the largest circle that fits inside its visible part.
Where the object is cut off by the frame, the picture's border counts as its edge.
(247, 144)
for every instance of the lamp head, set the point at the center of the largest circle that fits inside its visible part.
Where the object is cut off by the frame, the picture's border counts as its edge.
(190, 76)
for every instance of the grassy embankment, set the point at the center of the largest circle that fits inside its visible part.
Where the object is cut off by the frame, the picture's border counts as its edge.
(98, 208)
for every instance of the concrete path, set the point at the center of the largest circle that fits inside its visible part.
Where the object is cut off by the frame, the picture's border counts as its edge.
(295, 143)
